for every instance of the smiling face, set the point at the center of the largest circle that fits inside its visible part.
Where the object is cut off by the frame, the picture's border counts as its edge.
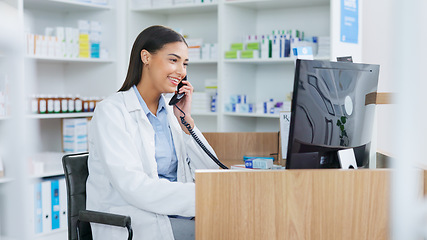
(166, 67)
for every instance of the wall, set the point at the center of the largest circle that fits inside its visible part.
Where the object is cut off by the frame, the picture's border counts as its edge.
(378, 33)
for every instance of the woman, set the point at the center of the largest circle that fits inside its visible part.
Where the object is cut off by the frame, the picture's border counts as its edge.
(142, 159)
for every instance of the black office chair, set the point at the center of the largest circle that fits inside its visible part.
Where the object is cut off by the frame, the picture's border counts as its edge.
(79, 219)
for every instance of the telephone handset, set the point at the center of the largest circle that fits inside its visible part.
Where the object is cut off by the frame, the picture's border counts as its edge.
(174, 100)
(178, 96)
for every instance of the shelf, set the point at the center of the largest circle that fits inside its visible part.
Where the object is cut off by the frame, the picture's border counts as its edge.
(257, 115)
(56, 231)
(202, 62)
(48, 174)
(269, 61)
(274, 4)
(180, 9)
(214, 114)
(69, 60)
(60, 115)
(63, 5)
(5, 180)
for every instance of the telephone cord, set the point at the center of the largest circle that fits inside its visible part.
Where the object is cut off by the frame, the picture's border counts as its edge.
(196, 138)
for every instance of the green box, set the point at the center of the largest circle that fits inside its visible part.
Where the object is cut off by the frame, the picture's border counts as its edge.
(247, 54)
(236, 46)
(252, 46)
(231, 54)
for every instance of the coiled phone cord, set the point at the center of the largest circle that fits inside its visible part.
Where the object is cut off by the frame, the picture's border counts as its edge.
(196, 138)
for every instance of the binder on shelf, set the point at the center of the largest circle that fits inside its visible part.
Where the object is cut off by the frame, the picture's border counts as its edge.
(46, 206)
(38, 214)
(63, 204)
(55, 203)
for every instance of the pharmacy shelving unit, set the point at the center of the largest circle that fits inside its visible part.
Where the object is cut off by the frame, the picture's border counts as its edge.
(5, 180)
(228, 21)
(60, 115)
(62, 76)
(83, 76)
(182, 17)
(263, 79)
(68, 60)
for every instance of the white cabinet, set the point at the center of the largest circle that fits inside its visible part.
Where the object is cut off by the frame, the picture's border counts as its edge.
(195, 21)
(62, 76)
(56, 76)
(228, 22)
(261, 80)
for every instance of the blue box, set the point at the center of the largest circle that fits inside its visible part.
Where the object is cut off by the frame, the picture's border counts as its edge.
(258, 162)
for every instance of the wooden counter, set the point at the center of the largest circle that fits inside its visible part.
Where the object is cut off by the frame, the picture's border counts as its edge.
(292, 204)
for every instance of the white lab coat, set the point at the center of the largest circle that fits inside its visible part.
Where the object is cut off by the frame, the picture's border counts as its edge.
(123, 175)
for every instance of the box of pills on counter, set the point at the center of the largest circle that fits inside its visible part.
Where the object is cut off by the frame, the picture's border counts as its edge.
(258, 162)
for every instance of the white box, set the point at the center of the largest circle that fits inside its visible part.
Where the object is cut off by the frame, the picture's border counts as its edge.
(95, 26)
(38, 45)
(214, 51)
(194, 42)
(275, 47)
(84, 26)
(60, 33)
(285, 121)
(30, 44)
(1, 168)
(194, 53)
(206, 51)
(48, 31)
(75, 135)
(51, 46)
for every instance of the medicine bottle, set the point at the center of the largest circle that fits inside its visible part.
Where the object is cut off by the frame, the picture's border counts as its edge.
(64, 103)
(56, 104)
(85, 101)
(42, 104)
(34, 107)
(71, 105)
(50, 104)
(91, 104)
(78, 104)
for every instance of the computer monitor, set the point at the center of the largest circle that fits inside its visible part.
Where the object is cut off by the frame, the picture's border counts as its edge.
(333, 108)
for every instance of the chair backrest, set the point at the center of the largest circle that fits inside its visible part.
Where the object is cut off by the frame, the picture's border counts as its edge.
(76, 173)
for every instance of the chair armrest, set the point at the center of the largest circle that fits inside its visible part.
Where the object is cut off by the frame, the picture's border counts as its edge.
(104, 218)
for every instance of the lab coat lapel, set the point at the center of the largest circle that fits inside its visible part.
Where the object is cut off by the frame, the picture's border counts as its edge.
(181, 154)
(146, 131)
(176, 132)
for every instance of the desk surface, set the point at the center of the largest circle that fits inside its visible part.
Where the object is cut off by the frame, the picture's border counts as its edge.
(292, 204)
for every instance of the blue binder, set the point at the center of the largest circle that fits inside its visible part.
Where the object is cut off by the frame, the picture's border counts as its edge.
(38, 214)
(55, 204)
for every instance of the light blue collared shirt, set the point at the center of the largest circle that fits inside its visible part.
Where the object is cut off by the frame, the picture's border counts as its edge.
(167, 162)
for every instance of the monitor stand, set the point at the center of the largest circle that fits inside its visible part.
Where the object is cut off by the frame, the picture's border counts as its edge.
(347, 158)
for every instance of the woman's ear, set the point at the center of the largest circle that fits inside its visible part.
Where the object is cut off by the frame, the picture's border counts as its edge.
(145, 56)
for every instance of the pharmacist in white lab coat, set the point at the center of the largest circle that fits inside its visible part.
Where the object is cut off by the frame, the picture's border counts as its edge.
(142, 160)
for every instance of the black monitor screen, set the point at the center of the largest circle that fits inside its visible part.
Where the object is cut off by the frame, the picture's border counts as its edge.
(332, 109)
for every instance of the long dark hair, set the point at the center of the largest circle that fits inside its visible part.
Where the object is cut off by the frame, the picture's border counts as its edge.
(151, 39)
